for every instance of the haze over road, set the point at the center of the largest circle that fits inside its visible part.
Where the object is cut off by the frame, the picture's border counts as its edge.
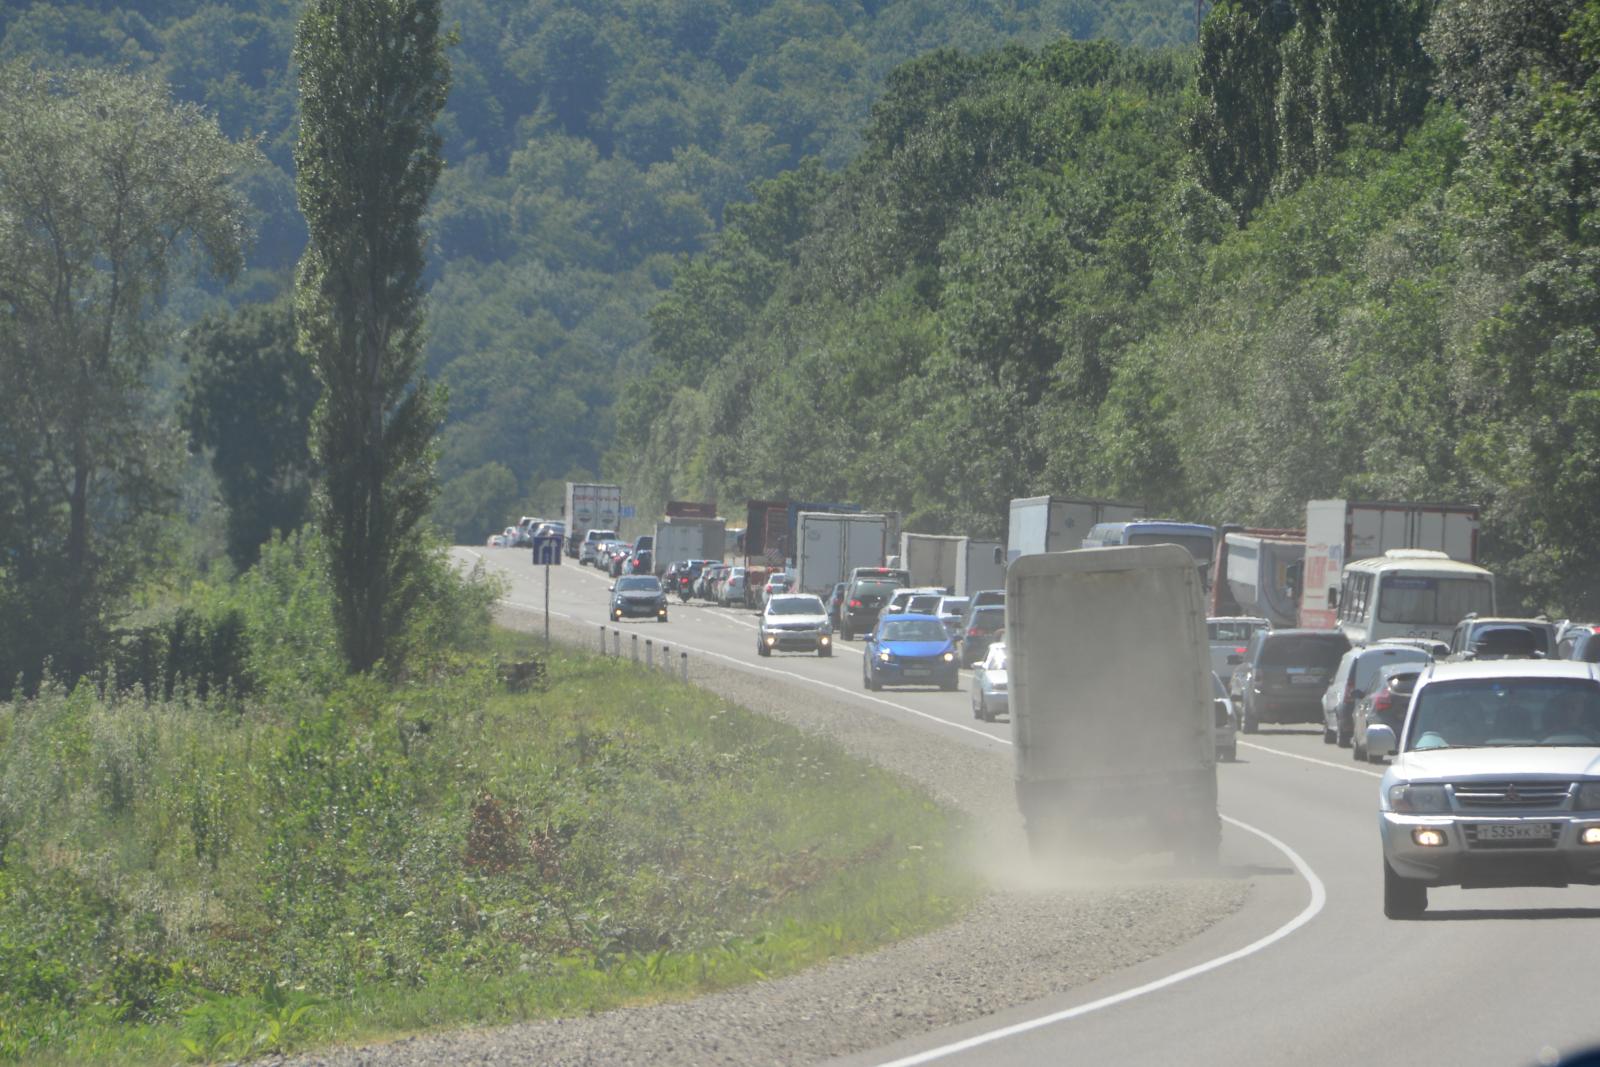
(1490, 977)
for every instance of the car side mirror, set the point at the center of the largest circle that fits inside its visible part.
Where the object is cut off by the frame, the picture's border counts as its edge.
(1235, 659)
(1380, 739)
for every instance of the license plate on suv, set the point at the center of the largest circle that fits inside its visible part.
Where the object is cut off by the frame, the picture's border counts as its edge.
(1523, 831)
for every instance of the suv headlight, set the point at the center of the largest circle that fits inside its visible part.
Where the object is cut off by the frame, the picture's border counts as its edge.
(1419, 799)
(885, 655)
(1588, 798)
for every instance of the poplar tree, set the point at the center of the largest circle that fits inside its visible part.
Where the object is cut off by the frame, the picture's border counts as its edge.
(373, 78)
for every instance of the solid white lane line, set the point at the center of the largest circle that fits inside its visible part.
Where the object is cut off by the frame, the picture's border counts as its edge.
(1312, 759)
(1319, 897)
(791, 674)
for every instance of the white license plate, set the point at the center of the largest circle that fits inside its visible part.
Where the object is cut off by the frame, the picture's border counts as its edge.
(1532, 831)
(1305, 679)
(916, 672)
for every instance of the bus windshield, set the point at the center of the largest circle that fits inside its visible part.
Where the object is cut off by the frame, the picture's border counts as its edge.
(1419, 600)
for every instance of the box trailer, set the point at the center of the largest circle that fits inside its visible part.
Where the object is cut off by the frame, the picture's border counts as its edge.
(1112, 713)
(679, 538)
(832, 544)
(963, 565)
(590, 506)
(1059, 523)
(1258, 571)
(1339, 532)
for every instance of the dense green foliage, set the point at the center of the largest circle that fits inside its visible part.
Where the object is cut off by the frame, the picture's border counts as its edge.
(1033, 279)
(588, 146)
(210, 879)
(108, 189)
(248, 400)
(373, 78)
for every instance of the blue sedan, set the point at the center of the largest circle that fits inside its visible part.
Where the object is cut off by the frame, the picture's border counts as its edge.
(909, 650)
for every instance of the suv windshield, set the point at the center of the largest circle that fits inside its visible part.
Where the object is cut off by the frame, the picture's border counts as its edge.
(799, 605)
(873, 587)
(639, 584)
(1492, 712)
(1305, 651)
(989, 618)
(913, 630)
(924, 605)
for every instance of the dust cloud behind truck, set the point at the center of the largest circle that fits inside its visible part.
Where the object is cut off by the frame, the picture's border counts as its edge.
(964, 565)
(1111, 704)
(590, 506)
(1059, 523)
(1339, 532)
(829, 545)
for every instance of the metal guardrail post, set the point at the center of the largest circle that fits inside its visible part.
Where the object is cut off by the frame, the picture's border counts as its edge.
(683, 659)
(666, 657)
(616, 643)
(649, 653)
(602, 640)
(634, 646)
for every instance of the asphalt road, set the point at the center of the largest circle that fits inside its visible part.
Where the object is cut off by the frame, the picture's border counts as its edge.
(1310, 973)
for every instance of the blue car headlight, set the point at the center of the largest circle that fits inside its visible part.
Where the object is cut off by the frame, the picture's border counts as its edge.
(885, 656)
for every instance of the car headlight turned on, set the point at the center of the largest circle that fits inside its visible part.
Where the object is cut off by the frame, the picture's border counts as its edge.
(884, 656)
(1588, 798)
(1428, 837)
(824, 638)
(1419, 799)
(949, 657)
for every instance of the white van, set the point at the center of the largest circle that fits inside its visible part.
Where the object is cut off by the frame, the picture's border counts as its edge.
(1411, 592)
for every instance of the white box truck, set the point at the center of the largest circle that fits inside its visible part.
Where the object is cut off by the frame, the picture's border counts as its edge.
(1260, 574)
(981, 566)
(590, 506)
(1111, 704)
(1339, 532)
(679, 538)
(932, 559)
(1059, 523)
(828, 545)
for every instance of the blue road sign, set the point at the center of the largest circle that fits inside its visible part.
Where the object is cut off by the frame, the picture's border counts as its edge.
(547, 550)
(626, 512)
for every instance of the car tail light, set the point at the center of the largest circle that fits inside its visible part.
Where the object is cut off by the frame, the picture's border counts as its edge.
(1382, 701)
(1239, 651)
(855, 603)
(972, 632)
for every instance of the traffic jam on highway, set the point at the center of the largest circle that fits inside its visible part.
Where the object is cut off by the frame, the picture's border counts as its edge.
(1128, 671)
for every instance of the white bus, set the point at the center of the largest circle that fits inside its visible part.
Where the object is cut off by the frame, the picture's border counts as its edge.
(1411, 592)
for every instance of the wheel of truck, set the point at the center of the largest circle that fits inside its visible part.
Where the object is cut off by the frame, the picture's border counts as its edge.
(1328, 735)
(1403, 898)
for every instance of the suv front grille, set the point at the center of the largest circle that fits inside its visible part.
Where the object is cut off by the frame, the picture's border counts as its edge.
(1522, 795)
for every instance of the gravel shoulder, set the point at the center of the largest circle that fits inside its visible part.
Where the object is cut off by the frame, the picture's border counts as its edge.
(1022, 941)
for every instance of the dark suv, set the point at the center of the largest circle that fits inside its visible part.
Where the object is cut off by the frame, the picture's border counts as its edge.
(1284, 674)
(1482, 638)
(863, 602)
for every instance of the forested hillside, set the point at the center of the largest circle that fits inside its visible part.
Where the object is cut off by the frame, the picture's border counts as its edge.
(588, 146)
(1348, 248)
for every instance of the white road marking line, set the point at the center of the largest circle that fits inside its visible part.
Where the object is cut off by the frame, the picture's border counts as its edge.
(1319, 896)
(1312, 759)
(791, 674)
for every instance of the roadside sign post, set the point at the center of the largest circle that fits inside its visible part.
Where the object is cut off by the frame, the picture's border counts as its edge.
(547, 551)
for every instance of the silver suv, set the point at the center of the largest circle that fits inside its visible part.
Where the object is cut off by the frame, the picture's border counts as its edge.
(1496, 781)
(794, 622)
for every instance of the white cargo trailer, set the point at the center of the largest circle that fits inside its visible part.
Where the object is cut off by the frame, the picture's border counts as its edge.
(932, 559)
(681, 538)
(830, 544)
(1059, 523)
(1262, 574)
(982, 566)
(590, 506)
(1112, 713)
(1339, 532)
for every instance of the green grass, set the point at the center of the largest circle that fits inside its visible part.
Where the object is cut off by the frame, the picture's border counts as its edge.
(186, 880)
